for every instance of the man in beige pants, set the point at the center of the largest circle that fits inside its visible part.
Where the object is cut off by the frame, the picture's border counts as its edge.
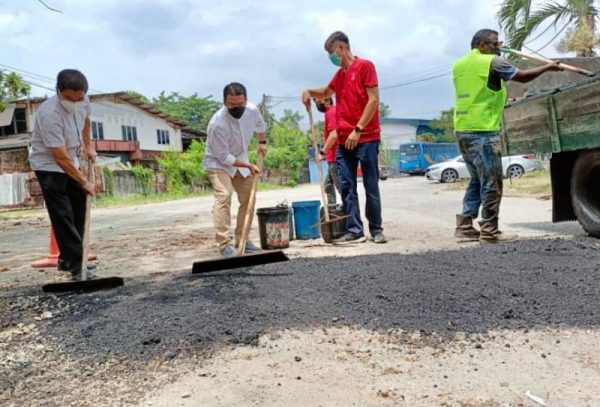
(230, 132)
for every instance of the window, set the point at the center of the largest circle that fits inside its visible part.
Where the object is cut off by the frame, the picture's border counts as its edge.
(97, 131)
(410, 149)
(129, 133)
(18, 125)
(162, 137)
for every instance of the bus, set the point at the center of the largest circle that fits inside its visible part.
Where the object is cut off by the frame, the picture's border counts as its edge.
(414, 158)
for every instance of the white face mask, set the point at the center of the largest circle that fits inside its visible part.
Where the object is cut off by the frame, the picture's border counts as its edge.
(70, 106)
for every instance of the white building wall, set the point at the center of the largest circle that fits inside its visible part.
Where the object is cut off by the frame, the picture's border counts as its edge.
(394, 134)
(114, 115)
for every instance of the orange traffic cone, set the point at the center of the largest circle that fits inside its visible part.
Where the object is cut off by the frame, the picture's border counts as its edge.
(52, 258)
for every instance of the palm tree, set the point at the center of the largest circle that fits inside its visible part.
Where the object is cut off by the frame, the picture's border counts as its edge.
(519, 20)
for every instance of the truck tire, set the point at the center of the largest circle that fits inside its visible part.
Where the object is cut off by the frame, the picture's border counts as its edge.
(585, 193)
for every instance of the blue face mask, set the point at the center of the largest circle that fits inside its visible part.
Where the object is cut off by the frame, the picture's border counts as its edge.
(335, 59)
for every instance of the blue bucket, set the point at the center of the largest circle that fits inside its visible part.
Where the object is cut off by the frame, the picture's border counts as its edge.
(306, 219)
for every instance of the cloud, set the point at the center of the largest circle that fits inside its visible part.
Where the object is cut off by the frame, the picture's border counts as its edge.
(274, 47)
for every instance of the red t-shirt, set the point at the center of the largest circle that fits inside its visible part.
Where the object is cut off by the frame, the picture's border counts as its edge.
(350, 89)
(330, 125)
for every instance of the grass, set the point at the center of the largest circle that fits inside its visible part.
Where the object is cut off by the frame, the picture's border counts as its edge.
(534, 184)
(22, 213)
(103, 201)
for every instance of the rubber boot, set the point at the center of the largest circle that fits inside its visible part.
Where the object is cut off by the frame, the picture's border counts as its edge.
(490, 233)
(465, 231)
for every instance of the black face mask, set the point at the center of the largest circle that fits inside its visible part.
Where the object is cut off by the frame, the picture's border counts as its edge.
(236, 112)
(321, 107)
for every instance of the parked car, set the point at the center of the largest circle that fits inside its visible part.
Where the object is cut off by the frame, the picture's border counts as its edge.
(385, 171)
(513, 166)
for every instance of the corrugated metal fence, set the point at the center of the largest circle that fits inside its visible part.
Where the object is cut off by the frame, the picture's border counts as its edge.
(13, 189)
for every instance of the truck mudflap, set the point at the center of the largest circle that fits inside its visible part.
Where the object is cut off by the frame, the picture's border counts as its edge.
(585, 190)
(561, 169)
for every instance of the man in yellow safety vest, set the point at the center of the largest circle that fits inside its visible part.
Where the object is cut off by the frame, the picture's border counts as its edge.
(480, 95)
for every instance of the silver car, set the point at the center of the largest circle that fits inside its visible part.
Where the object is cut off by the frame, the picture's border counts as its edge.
(513, 166)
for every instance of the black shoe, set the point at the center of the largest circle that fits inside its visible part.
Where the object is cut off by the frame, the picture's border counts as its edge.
(349, 238)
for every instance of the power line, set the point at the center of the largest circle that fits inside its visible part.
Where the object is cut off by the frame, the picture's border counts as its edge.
(50, 8)
(53, 81)
(36, 76)
(113, 106)
(553, 38)
(427, 71)
(426, 79)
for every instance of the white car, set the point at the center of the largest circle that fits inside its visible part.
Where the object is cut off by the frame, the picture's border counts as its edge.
(513, 166)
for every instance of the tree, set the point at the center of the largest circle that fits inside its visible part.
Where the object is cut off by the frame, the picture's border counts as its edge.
(194, 110)
(444, 124)
(384, 110)
(519, 20)
(579, 38)
(288, 147)
(138, 96)
(291, 119)
(12, 86)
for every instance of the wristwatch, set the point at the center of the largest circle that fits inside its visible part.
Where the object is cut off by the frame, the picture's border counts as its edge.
(358, 129)
(262, 141)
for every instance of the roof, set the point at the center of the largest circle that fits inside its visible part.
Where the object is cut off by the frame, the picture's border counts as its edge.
(190, 132)
(125, 97)
(397, 120)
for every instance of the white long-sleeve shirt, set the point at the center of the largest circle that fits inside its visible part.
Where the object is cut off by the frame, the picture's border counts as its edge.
(229, 138)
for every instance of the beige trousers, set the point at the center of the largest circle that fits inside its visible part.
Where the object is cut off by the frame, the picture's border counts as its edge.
(223, 187)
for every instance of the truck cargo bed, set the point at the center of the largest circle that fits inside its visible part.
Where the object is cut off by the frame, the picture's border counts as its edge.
(565, 119)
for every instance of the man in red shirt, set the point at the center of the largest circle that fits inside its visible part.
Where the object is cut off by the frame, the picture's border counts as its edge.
(329, 148)
(357, 95)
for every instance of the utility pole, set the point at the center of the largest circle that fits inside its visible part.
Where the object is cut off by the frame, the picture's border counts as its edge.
(264, 111)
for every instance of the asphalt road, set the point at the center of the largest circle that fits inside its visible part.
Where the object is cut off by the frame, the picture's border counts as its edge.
(111, 347)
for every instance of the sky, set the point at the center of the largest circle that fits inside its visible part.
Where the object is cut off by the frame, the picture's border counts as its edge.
(274, 47)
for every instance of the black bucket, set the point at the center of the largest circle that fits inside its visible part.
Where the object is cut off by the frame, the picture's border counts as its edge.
(273, 228)
(333, 230)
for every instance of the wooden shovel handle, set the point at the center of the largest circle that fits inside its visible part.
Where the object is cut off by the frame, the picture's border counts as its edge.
(86, 223)
(319, 167)
(548, 61)
(248, 218)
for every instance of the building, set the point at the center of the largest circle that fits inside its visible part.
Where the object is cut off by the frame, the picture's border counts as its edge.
(122, 127)
(396, 131)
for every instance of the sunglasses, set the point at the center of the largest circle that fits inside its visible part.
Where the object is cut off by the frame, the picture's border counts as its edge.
(495, 43)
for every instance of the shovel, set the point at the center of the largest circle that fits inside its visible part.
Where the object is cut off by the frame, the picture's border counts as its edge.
(84, 284)
(547, 61)
(243, 260)
(328, 218)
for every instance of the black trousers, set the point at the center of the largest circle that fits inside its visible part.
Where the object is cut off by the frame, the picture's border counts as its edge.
(65, 201)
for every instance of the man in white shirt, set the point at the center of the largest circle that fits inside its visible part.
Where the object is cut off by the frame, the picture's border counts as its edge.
(61, 130)
(230, 132)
